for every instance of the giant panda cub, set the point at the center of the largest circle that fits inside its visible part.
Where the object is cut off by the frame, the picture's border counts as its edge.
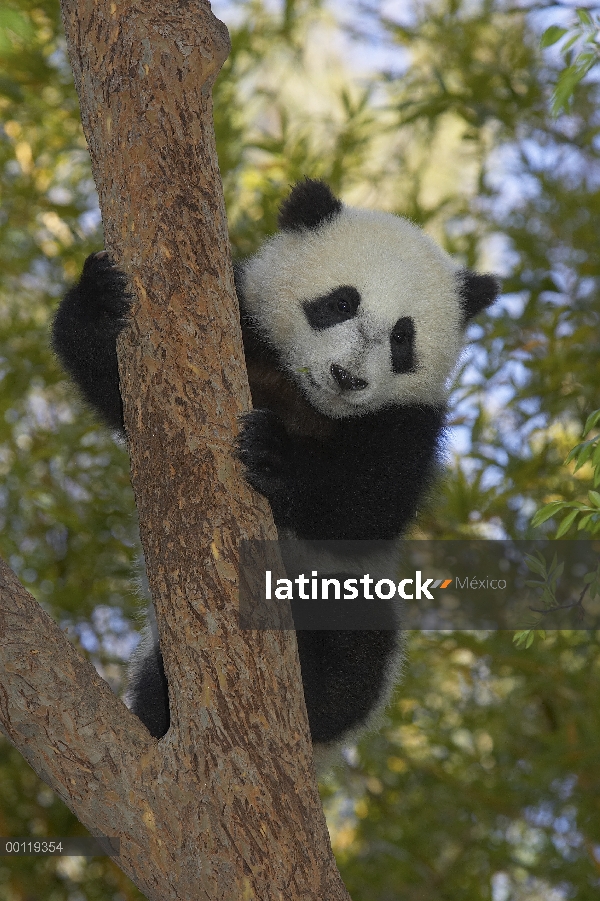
(353, 321)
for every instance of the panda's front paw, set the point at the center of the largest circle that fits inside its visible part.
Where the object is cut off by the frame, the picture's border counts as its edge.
(103, 290)
(263, 447)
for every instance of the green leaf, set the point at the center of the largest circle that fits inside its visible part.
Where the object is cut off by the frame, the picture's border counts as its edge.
(569, 78)
(584, 521)
(566, 523)
(572, 40)
(535, 564)
(547, 512)
(591, 421)
(584, 16)
(583, 452)
(584, 63)
(594, 497)
(551, 35)
(572, 454)
(524, 638)
(548, 598)
(519, 638)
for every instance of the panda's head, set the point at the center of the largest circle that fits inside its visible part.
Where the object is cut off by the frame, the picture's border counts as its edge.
(363, 308)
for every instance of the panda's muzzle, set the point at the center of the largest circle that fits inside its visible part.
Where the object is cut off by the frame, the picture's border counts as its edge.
(345, 380)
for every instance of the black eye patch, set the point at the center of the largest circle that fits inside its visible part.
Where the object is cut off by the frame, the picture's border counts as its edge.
(338, 306)
(402, 343)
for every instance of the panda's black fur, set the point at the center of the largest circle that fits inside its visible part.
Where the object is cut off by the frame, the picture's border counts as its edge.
(352, 323)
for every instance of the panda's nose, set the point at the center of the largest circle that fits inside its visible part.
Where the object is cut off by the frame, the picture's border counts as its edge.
(345, 380)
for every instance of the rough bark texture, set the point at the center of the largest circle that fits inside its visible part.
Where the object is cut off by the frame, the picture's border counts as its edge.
(222, 807)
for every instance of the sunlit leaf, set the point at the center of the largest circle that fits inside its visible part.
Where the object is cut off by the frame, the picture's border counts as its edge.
(551, 35)
(548, 511)
(592, 420)
(584, 16)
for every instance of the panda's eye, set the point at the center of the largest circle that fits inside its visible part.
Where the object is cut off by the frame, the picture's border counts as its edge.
(402, 345)
(333, 308)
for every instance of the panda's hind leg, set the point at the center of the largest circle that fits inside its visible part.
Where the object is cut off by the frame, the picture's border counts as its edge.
(347, 677)
(147, 692)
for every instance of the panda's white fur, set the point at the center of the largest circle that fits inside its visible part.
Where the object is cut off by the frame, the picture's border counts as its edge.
(398, 271)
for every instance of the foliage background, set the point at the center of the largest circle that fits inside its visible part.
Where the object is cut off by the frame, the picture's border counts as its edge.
(484, 782)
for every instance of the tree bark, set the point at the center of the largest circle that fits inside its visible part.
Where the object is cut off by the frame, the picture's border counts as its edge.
(223, 807)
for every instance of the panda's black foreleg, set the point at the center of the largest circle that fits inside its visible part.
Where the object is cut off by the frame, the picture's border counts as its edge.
(365, 483)
(85, 331)
(263, 447)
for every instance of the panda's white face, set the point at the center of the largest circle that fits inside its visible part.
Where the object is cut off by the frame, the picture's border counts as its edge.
(364, 311)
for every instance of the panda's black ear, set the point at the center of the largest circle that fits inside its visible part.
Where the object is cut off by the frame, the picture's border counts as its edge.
(476, 292)
(310, 204)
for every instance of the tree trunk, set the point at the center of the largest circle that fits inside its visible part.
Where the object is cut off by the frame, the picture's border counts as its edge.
(223, 807)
